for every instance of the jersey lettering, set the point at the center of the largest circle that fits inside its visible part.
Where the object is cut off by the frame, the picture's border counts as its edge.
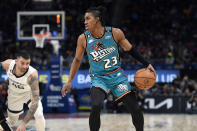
(100, 54)
(16, 84)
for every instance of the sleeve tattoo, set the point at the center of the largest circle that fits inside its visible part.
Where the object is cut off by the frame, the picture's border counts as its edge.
(35, 94)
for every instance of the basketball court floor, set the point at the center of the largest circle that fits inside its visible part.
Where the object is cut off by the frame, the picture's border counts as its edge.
(119, 122)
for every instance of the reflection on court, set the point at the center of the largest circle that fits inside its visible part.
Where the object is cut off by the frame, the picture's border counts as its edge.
(119, 122)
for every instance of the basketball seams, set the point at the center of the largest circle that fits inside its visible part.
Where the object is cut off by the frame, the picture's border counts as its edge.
(144, 82)
(145, 77)
(140, 70)
(137, 83)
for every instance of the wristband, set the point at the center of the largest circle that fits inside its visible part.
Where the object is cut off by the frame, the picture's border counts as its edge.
(138, 57)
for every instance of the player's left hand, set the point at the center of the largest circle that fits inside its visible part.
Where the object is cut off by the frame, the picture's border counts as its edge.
(150, 67)
(66, 89)
(21, 127)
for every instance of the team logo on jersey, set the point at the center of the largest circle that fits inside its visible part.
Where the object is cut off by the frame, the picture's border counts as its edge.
(16, 84)
(98, 46)
(100, 51)
(122, 88)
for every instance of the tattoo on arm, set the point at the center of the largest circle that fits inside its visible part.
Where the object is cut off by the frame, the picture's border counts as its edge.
(35, 94)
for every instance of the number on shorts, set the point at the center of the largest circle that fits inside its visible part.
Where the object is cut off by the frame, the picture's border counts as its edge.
(107, 62)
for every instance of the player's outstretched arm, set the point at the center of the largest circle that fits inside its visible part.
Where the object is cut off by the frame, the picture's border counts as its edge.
(81, 46)
(34, 84)
(4, 65)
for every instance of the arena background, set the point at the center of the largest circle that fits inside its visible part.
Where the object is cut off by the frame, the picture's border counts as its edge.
(165, 32)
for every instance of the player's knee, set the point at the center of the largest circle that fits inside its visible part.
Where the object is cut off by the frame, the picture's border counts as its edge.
(137, 111)
(2, 117)
(12, 121)
(38, 114)
(134, 109)
(96, 108)
(39, 111)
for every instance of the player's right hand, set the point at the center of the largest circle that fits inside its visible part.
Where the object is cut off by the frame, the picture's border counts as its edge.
(66, 88)
(150, 67)
(21, 127)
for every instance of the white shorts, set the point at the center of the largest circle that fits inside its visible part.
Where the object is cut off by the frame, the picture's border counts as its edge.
(16, 104)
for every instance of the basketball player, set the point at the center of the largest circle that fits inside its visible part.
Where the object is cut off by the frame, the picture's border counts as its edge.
(3, 121)
(101, 44)
(23, 90)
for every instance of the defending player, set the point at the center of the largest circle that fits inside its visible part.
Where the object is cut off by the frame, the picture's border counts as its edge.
(23, 90)
(3, 121)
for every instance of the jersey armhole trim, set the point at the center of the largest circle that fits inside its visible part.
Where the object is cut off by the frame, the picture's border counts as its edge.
(113, 36)
(86, 41)
(118, 55)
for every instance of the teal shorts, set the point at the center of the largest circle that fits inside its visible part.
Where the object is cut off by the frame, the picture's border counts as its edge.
(116, 83)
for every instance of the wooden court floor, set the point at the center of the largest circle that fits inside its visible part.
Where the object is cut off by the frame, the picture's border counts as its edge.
(119, 122)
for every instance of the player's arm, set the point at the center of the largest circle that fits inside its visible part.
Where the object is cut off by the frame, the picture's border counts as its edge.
(127, 46)
(34, 84)
(3, 122)
(120, 38)
(4, 65)
(81, 46)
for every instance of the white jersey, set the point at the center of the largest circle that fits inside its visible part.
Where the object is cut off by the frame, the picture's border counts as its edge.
(19, 91)
(18, 84)
(19, 94)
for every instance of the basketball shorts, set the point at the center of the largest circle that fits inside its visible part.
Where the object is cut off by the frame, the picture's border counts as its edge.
(116, 83)
(17, 104)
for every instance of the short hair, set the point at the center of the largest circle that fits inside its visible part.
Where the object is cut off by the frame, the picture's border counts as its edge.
(23, 54)
(98, 12)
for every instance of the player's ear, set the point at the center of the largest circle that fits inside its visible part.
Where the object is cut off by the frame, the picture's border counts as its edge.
(16, 60)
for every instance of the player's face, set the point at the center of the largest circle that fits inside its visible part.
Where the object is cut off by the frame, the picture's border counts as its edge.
(22, 64)
(90, 21)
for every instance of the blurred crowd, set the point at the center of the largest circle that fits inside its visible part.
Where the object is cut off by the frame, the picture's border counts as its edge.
(164, 32)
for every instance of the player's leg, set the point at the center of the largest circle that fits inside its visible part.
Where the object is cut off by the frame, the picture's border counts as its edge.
(12, 118)
(39, 118)
(132, 106)
(15, 108)
(123, 91)
(3, 122)
(97, 97)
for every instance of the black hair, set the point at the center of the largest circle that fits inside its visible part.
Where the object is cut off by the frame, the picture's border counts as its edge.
(98, 12)
(23, 54)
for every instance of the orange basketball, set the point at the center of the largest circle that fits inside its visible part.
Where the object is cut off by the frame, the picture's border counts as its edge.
(144, 78)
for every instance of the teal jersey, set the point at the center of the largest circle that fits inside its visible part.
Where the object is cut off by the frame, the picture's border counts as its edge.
(102, 53)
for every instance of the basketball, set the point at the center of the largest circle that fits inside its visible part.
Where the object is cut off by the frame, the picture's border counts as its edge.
(144, 78)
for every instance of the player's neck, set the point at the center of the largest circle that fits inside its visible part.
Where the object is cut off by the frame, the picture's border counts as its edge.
(17, 72)
(98, 32)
